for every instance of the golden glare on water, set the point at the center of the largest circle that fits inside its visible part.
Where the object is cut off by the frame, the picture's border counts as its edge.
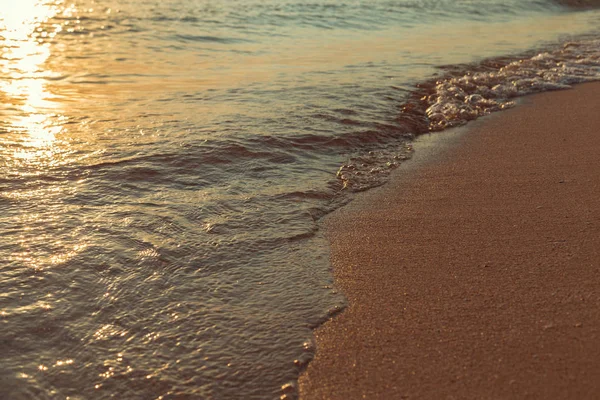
(30, 120)
(28, 107)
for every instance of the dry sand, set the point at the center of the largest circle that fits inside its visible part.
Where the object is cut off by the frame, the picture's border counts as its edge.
(475, 273)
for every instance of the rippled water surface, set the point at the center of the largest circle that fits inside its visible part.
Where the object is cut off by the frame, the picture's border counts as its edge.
(164, 166)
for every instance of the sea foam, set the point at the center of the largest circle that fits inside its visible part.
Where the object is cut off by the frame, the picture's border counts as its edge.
(456, 100)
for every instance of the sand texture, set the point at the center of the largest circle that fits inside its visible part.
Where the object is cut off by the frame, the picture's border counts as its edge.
(475, 274)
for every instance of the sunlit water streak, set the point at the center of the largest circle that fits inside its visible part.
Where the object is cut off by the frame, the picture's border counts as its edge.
(164, 165)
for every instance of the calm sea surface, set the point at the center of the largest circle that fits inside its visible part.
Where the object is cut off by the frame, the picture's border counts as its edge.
(164, 166)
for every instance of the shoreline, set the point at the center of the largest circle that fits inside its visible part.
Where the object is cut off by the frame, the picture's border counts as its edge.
(474, 273)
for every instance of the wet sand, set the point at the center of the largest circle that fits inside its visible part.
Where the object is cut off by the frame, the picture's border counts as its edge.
(475, 273)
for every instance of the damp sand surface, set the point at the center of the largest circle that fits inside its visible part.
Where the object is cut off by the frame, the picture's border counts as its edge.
(475, 272)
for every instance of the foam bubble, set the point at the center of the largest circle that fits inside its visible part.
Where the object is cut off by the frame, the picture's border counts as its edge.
(456, 100)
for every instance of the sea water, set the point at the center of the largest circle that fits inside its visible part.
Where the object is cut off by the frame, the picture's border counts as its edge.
(164, 166)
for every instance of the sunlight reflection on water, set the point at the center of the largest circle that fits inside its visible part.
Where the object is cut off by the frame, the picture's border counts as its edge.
(23, 61)
(31, 124)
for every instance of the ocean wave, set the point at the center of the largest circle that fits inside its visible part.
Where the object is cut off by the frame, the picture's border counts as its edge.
(465, 93)
(579, 3)
(454, 100)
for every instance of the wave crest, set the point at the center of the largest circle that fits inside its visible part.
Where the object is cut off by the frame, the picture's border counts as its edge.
(491, 86)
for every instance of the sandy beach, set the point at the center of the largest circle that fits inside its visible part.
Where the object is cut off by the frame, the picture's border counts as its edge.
(475, 273)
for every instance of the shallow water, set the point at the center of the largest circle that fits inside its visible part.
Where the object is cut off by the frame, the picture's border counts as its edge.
(164, 166)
